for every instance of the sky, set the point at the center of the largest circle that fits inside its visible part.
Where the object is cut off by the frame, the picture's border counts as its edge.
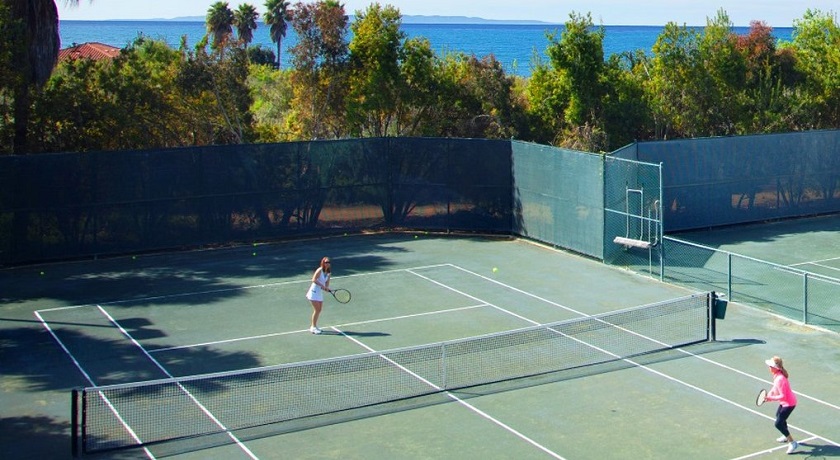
(776, 13)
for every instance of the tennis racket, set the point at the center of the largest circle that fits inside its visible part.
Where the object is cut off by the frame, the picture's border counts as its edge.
(340, 295)
(761, 398)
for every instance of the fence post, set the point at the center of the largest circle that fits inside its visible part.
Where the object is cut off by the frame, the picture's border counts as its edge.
(805, 298)
(729, 275)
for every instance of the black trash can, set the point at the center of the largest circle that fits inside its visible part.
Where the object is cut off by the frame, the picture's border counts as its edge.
(719, 308)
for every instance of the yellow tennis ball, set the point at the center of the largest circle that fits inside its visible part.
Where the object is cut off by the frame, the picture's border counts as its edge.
(495, 269)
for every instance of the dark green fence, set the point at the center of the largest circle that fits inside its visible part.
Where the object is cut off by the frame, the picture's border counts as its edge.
(58, 206)
(733, 180)
(559, 197)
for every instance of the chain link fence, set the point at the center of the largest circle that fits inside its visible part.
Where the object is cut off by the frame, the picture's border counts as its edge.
(786, 291)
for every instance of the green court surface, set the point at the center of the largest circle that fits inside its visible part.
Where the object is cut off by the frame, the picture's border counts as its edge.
(809, 244)
(149, 317)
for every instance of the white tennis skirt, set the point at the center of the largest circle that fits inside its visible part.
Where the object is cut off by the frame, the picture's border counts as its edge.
(315, 293)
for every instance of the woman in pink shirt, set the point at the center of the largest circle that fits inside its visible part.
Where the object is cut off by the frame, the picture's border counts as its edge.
(787, 400)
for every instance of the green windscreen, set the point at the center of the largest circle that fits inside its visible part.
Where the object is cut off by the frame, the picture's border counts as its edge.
(558, 197)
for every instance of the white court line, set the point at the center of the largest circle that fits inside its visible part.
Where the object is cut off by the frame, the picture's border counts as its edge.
(828, 267)
(568, 309)
(276, 334)
(770, 451)
(187, 392)
(816, 261)
(92, 383)
(457, 399)
(238, 288)
(645, 367)
(702, 358)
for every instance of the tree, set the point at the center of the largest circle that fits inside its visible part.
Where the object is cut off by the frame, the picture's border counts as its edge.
(672, 87)
(376, 85)
(272, 92)
(130, 102)
(35, 60)
(721, 75)
(579, 56)
(12, 35)
(817, 43)
(245, 19)
(320, 77)
(626, 115)
(474, 98)
(276, 17)
(574, 86)
(769, 81)
(219, 25)
(217, 91)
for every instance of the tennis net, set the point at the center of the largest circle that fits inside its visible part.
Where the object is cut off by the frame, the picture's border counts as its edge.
(129, 415)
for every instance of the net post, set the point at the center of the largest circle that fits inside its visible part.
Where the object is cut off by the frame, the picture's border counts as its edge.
(712, 320)
(84, 421)
(443, 365)
(74, 423)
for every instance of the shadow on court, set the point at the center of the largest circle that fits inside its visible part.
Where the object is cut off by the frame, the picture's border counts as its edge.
(355, 334)
(182, 446)
(813, 450)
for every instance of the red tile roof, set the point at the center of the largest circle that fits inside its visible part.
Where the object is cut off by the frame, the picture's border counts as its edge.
(90, 50)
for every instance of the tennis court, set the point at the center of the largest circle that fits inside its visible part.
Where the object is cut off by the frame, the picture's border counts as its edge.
(615, 394)
(789, 267)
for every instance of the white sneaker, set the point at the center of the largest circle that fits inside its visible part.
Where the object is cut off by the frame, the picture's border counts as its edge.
(781, 439)
(314, 330)
(792, 447)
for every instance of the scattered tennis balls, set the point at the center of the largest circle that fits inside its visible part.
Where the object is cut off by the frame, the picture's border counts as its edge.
(495, 269)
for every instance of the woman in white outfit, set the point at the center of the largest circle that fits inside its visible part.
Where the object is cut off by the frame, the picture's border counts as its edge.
(315, 294)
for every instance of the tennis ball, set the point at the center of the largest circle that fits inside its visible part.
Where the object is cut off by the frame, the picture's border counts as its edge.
(253, 253)
(495, 269)
(42, 273)
(415, 237)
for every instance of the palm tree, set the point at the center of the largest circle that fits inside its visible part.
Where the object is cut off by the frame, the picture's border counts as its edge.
(219, 24)
(245, 20)
(36, 59)
(276, 16)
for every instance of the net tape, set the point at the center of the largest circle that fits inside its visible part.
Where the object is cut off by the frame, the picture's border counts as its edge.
(127, 415)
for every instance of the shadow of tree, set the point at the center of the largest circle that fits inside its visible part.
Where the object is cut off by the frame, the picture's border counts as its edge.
(218, 273)
(34, 437)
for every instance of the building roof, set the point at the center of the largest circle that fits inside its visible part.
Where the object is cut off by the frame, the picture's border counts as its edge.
(90, 50)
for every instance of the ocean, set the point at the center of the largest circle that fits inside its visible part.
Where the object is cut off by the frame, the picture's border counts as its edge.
(514, 45)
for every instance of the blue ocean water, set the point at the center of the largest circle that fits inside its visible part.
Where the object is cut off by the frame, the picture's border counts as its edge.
(514, 45)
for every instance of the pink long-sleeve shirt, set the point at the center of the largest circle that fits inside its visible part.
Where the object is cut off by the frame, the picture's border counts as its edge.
(781, 391)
